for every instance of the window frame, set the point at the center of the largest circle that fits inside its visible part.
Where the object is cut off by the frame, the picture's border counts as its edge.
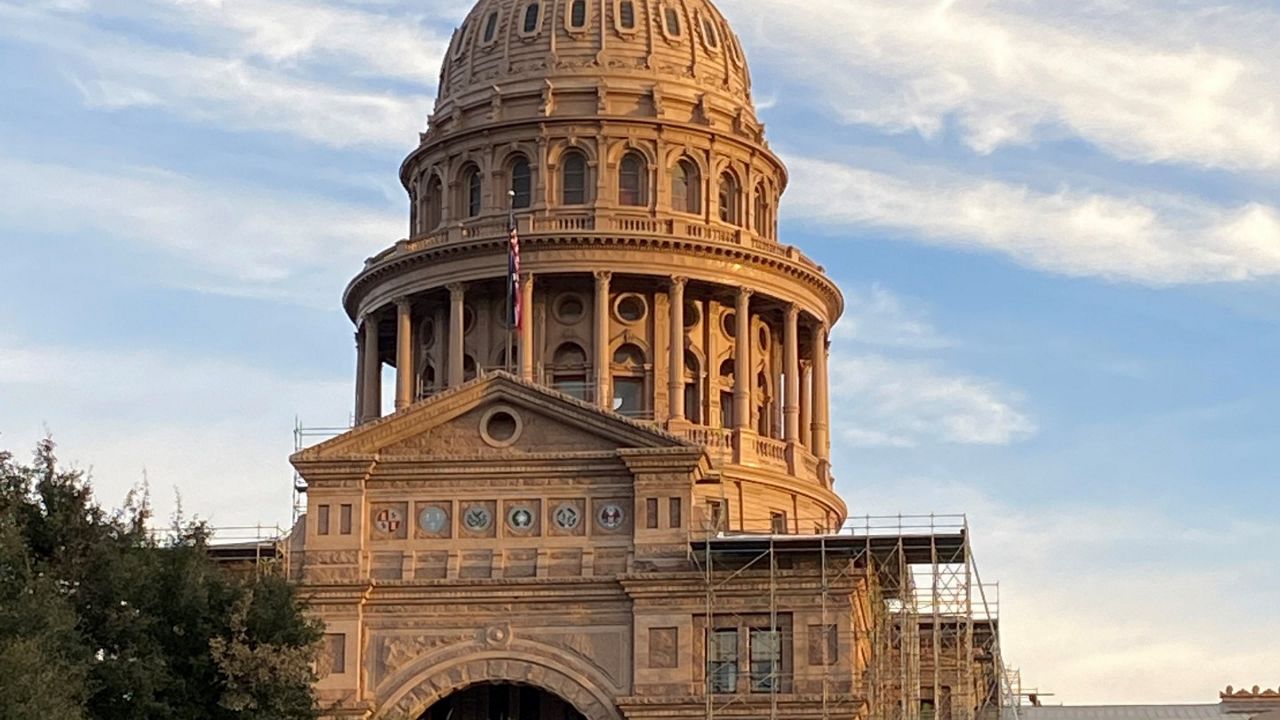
(618, 24)
(490, 31)
(513, 165)
(637, 196)
(686, 175)
(569, 24)
(723, 653)
(472, 190)
(766, 682)
(584, 190)
(525, 30)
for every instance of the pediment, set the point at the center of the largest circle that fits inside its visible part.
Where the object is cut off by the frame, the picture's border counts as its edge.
(498, 415)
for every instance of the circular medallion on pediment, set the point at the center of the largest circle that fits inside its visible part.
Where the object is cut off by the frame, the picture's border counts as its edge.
(477, 518)
(433, 520)
(567, 516)
(520, 518)
(610, 516)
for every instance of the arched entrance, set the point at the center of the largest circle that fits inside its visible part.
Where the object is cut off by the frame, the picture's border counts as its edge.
(501, 701)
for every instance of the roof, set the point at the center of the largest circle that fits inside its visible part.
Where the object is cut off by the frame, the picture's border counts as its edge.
(1120, 712)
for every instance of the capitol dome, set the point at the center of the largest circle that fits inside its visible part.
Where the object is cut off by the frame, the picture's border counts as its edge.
(679, 52)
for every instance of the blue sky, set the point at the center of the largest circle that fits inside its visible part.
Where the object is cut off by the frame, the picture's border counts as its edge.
(1057, 226)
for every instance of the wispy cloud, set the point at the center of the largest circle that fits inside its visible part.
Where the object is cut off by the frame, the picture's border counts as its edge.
(879, 317)
(1152, 238)
(1148, 81)
(207, 237)
(261, 65)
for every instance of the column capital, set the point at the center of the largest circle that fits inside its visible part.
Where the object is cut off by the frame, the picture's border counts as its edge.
(402, 302)
(456, 290)
(793, 312)
(745, 293)
(368, 319)
(603, 276)
(678, 282)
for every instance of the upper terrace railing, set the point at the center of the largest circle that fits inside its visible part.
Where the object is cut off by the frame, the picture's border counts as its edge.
(599, 223)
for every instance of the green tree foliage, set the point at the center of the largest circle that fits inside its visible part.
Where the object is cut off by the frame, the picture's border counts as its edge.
(101, 621)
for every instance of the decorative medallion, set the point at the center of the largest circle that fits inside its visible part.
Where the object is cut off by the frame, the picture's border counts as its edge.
(433, 520)
(520, 518)
(477, 518)
(567, 517)
(610, 517)
(388, 521)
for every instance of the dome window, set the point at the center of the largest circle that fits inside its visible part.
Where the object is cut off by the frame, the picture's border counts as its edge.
(709, 34)
(521, 183)
(671, 22)
(633, 186)
(626, 15)
(763, 223)
(532, 18)
(432, 205)
(686, 188)
(729, 196)
(471, 183)
(574, 179)
(464, 34)
(577, 14)
(490, 28)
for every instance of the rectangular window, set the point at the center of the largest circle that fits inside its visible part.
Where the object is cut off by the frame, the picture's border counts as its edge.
(778, 523)
(628, 397)
(335, 653)
(651, 513)
(673, 513)
(322, 520)
(766, 660)
(824, 645)
(726, 409)
(344, 520)
(722, 661)
(716, 519)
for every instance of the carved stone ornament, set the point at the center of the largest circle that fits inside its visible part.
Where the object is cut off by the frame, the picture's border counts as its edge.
(498, 636)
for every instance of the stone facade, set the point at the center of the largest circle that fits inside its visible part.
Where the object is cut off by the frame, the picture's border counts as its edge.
(529, 515)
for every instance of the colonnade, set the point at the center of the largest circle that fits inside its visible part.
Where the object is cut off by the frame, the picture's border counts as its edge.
(806, 409)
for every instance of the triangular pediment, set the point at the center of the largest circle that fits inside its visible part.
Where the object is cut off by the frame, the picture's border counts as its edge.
(492, 416)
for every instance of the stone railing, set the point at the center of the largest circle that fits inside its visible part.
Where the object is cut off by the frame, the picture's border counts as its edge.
(772, 452)
(602, 222)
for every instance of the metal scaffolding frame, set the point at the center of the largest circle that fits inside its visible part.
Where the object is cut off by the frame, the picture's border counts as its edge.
(931, 637)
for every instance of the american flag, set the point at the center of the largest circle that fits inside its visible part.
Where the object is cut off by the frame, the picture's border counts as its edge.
(513, 269)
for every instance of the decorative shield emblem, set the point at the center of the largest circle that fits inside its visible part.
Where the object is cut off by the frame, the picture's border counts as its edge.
(567, 517)
(388, 521)
(433, 520)
(477, 519)
(521, 518)
(610, 517)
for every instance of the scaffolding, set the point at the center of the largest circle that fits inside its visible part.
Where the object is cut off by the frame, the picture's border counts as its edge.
(919, 628)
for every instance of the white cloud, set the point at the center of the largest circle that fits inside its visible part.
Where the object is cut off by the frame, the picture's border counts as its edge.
(881, 402)
(1111, 604)
(1150, 81)
(876, 316)
(218, 431)
(238, 241)
(1155, 239)
(265, 65)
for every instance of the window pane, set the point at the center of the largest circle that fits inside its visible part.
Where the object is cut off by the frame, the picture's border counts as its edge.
(722, 661)
(578, 14)
(522, 184)
(344, 520)
(322, 520)
(673, 21)
(627, 11)
(575, 179)
(490, 27)
(631, 181)
(673, 512)
(531, 17)
(766, 660)
(473, 193)
(651, 513)
(628, 396)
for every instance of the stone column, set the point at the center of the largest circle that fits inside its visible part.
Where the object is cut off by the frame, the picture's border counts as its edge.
(404, 353)
(372, 368)
(675, 384)
(358, 413)
(743, 374)
(526, 327)
(457, 299)
(791, 368)
(600, 354)
(806, 404)
(821, 388)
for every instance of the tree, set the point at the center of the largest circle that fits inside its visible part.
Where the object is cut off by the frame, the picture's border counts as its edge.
(102, 621)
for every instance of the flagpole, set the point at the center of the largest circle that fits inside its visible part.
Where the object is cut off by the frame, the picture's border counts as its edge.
(511, 277)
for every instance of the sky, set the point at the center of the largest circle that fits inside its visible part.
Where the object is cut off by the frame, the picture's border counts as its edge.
(1057, 227)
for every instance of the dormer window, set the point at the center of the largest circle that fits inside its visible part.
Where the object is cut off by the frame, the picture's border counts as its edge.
(627, 15)
(709, 34)
(532, 18)
(671, 19)
(490, 28)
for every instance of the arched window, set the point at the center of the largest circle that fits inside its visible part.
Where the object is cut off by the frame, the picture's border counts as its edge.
(569, 371)
(633, 186)
(686, 188)
(471, 184)
(578, 14)
(432, 205)
(574, 179)
(709, 34)
(672, 17)
(532, 14)
(692, 388)
(629, 397)
(490, 28)
(729, 197)
(521, 183)
(764, 407)
(763, 221)
(627, 14)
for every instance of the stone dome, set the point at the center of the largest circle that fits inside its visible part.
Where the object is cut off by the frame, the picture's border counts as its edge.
(681, 52)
